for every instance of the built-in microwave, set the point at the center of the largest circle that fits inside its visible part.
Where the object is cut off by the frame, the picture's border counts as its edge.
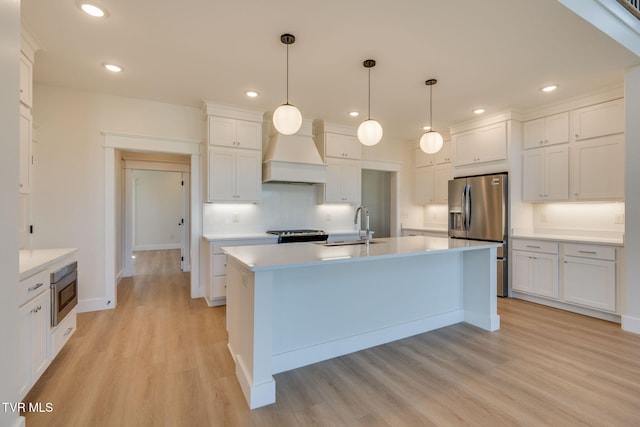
(64, 292)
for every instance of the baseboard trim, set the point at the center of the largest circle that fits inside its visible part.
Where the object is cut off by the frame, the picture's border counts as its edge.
(95, 304)
(631, 324)
(568, 307)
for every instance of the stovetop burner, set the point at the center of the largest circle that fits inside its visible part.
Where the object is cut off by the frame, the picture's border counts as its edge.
(303, 235)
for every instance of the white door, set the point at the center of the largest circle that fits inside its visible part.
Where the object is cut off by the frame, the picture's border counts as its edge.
(185, 224)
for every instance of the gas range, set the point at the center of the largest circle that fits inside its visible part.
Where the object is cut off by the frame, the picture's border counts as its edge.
(292, 236)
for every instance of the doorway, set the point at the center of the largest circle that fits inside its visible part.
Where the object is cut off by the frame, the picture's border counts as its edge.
(376, 196)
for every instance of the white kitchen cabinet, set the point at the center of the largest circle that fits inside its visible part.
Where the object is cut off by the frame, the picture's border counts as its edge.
(602, 119)
(432, 184)
(423, 159)
(535, 268)
(590, 276)
(26, 80)
(343, 181)
(484, 144)
(34, 326)
(26, 144)
(597, 169)
(545, 174)
(444, 155)
(235, 175)
(547, 131)
(229, 132)
(343, 146)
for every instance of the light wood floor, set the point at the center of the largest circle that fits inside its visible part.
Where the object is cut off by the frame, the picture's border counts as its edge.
(160, 359)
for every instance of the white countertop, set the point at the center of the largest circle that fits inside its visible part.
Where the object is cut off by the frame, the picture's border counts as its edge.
(616, 241)
(428, 228)
(238, 236)
(272, 257)
(34, 261)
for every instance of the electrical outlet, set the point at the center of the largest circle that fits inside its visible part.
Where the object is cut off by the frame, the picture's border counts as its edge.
(235, 217)
(544, 217)
(618, 219)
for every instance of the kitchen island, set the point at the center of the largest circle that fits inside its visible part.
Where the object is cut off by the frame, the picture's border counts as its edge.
(291, 305)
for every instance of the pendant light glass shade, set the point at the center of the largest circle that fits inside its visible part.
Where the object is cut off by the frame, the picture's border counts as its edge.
(369, 131)
(431, 141)
(287, 119)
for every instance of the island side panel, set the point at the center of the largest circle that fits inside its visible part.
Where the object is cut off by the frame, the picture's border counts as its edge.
(249, 314)
(480, 289)
(325, 311)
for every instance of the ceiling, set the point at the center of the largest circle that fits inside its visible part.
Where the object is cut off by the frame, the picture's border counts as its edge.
(494, 54)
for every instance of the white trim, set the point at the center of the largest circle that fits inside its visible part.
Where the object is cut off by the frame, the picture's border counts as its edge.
(611, 317)
(151, 165)
(95, 304)
(489, 120)
(631, 324)
(115, 140)
(212, 109)
(381, 165)
(316, 353)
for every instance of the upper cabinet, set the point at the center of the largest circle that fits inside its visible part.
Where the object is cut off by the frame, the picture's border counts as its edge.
(546, 174)
(602, 119)
(26, 80)
(235, 133)
(441, 157)
(597, 169)
(480, 145)
(344, 146)
(26, 156)
(234, 154)
(547, 131)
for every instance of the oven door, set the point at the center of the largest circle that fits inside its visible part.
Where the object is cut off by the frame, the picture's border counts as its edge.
(64, 297)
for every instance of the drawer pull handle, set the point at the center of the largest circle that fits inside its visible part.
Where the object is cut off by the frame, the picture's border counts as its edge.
(33, 288)
(535, 247)
(68, 331)
(588, 252)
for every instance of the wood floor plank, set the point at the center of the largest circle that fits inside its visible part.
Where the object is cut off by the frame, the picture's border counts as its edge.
(161, 359)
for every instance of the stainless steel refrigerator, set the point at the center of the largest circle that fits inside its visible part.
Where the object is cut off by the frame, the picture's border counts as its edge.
(478, 210)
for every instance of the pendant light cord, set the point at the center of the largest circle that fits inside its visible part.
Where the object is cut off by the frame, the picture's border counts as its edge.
(369, 114)
(287, 74)
(431, 108)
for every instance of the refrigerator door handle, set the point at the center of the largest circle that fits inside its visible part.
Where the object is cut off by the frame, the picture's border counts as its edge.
(467, 207)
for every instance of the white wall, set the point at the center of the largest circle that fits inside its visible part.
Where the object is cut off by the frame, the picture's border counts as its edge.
(586, 219)
(631, 313)
(69, 202)
(157, 209)
(9, 101)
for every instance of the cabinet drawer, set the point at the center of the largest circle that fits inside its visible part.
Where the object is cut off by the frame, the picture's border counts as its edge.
(219, 265)
(535, 246)
(590, 251)
(61, 334)
(33, 286)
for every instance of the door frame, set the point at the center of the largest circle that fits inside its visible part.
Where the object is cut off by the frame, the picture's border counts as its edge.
(395, 168)
(121, 141)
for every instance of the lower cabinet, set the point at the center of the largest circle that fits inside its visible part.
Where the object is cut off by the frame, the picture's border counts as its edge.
(573, 274)
(35, 321)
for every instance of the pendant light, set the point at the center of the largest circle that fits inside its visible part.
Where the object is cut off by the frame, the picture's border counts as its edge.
(431, 141)
(287, 119)
(369, 131)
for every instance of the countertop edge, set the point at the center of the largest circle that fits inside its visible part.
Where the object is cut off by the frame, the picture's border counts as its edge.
(571, 239)
(47, 258)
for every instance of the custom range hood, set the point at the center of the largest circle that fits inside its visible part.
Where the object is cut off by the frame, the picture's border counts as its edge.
(292, 158)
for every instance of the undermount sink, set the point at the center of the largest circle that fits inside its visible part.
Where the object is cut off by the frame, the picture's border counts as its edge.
(357, 242)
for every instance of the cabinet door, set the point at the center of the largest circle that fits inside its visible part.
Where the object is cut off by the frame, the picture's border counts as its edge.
(556, 173)
(522, 275)
(545, 275)
(533, 175)
(25, 150)
(464, 148)
(444, 155)
(424, 159)
(39, 326)
(344, 146)
(351, 178)
(597, 120)
(248, 135)
(590, 282)
(222, 174)
(248, 175)
(598, 169)
(23, 348)
(424, 185)
(222, 131)
(26, 80)
(492, 143)
(534, 133)
(557, 129)
(332, 188)
(442, 176)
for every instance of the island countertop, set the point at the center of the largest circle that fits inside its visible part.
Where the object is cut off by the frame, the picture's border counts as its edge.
(273, 257)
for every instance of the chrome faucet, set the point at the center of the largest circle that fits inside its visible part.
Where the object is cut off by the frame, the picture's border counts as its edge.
(363, 208)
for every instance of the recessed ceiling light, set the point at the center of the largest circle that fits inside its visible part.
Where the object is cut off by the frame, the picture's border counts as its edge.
(354, 114)
(479, 111)
(549, 88)
(251, 93)
(93, 10)
(113, 68)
